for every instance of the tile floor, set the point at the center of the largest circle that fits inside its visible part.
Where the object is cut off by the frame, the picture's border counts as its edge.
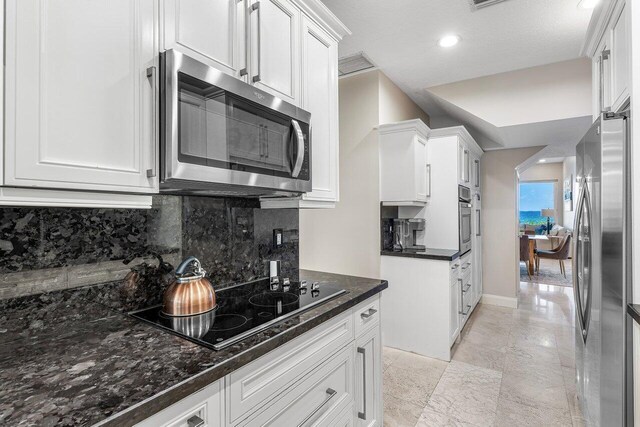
(511, 367)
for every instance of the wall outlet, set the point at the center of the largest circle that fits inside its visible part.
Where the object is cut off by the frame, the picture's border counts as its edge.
(277, 237)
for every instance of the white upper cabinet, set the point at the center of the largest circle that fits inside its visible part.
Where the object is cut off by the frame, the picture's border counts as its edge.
(609, 46)
(320, 98)
(211, 31)
(80, 106)
(405, 172)
(275, 50)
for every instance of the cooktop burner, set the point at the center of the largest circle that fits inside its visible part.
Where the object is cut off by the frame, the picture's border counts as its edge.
(243, 310)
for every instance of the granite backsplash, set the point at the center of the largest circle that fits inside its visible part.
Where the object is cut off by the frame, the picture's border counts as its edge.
(45, 249)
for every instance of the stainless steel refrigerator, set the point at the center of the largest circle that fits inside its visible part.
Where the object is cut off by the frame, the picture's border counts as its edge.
(601, 280)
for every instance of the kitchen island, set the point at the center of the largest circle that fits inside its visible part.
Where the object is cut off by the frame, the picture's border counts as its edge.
(66, 358)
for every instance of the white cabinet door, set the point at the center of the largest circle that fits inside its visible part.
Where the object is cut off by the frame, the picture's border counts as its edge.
(211, 31)
(464, 164)
(620, 57)
(420, 170)
(205, 406)
(602, 62)
(476, 173)
(80, 108)
(455, 306)
(320, 98)
(368, 370)
(275, 49)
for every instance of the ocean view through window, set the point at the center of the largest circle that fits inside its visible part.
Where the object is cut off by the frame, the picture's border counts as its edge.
(535, 196)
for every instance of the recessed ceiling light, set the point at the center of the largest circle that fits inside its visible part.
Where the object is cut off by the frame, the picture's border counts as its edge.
(542, 160)
(588, 4)
(449, 40)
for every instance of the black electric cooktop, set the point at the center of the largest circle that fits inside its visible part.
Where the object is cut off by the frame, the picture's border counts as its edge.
(242, 310)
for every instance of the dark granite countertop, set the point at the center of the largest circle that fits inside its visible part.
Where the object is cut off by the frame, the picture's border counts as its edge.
(68, 359)
(429, 253)
(634, 311)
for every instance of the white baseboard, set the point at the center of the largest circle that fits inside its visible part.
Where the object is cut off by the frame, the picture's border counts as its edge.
(499, 301)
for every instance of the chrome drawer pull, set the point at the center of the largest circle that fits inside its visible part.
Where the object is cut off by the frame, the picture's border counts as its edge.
(454, 266)
(467, 289)
(363, 415)
(369, 313)
(466, 313)
(195, 421)
(330, 394)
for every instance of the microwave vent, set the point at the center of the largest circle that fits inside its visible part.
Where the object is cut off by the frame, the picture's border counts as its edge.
(479, 4)
(354, 63)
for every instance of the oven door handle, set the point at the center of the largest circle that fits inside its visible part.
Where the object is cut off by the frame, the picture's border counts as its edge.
(299, 137)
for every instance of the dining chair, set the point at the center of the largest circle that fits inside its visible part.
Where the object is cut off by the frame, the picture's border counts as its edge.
(561, 253)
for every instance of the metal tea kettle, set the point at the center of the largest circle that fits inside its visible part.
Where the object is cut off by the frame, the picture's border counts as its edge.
(190, 293)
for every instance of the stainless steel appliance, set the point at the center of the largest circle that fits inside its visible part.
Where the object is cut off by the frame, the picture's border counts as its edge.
(601, 283)
(243, 310)
(220, 135)
(406, 234)
(464, 218)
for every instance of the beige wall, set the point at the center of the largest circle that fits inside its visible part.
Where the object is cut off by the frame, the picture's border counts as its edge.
(499, 220)
(346, 239)
(548, 172)
(549, 92)
(395, 105)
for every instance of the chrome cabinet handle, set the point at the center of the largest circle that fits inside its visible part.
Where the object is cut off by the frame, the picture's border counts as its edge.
(429, 178)
(151, 75)
(363, 415)
(467, 289)
(297, 133)
(604, 56)
(368, 313)
(330, 394)
(256, 6)
(478, 218)
(244, 71)
(454, 266)
(477, 162)
(466, 313)
(195, 421)
(466, 265)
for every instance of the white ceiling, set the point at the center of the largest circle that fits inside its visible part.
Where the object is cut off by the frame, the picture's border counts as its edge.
(400, 37)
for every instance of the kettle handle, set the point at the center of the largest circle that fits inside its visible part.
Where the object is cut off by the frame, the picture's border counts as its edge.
(186, 263)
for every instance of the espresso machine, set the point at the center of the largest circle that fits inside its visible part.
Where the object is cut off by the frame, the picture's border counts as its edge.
(405, 234)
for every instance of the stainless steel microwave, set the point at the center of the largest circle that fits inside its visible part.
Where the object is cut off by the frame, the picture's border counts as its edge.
(220, 135)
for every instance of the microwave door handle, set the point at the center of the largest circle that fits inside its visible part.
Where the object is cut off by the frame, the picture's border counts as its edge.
(299, 137)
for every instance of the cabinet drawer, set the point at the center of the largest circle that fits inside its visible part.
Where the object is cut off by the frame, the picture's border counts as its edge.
(367, 314)
(276, 371)
(317, 400)
(205, 405)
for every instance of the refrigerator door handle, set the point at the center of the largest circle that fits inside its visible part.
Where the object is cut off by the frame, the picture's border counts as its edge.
(582, 278)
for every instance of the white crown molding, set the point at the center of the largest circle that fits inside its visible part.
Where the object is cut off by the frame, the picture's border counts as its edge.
(415, 125)
(323, 16)
(462, 133)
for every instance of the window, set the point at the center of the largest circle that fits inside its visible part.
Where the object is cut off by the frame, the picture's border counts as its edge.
(535, 196)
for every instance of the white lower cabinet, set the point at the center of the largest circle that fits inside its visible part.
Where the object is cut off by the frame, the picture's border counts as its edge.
(455, 305)
(368, 395)
(329, 376)
(204, 408)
